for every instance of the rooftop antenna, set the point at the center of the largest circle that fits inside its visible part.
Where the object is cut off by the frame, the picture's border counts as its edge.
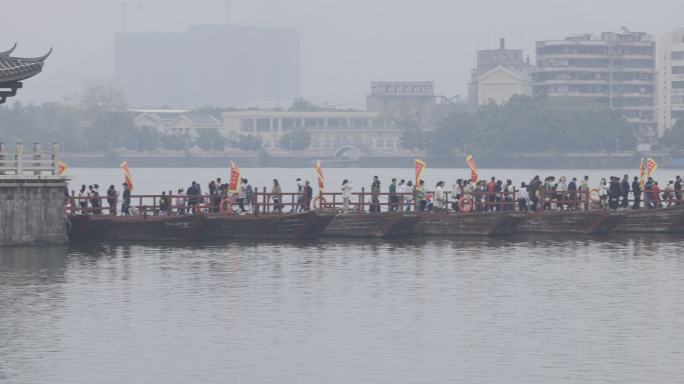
(125, 5)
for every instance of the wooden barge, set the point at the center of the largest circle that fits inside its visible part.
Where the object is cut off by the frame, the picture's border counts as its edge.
(371, 225)
(660, 220)
(106, 228)
(567, 222)
(468, 224)
(296, 226)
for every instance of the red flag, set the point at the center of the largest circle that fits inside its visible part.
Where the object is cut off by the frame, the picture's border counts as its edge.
(473, 168)
(319, 174)
(127, 175)
(235, 179)
(651, 165)
(643, 172)
(420, 168)
(62, 168)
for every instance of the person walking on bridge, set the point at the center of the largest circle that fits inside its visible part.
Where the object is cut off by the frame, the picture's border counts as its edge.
(347, 188)
(636, 191)
(625, 191)
(112, 195)
(393, 201)
(375, 195)
(126, 203)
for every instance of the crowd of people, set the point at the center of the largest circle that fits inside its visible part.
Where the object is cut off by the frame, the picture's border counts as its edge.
(499, 195)
(188, 200)
(402, 195)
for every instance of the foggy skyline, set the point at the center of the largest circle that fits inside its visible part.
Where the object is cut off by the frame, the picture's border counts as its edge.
(345, 44)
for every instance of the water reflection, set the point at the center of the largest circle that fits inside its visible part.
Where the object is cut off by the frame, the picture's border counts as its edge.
(522, 309)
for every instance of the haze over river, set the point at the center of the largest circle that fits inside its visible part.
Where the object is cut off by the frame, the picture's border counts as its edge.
(469, 310)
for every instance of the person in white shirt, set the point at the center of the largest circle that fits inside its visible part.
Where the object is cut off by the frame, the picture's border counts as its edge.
(346, 194)
(401, 188)
(523, 197)
(440, 198)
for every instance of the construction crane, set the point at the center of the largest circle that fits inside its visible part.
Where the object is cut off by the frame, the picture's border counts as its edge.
(124, 5)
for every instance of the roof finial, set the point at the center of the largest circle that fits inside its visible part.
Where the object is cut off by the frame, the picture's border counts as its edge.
(8, 52)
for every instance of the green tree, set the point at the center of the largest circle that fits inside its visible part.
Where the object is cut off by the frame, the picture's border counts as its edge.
(210, 139)
(674, 138)
(174, 142)
(301, 105)
(296, 141)
(532, 125)
(249, 143)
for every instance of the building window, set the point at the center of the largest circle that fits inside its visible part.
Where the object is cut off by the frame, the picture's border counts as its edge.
(337, 122)
(678, 55)
(310, 123)
(288, 124)
(678, 85)
(357, 122)
(678, 70)
(275, 125)
(247, 125)
(263, 125)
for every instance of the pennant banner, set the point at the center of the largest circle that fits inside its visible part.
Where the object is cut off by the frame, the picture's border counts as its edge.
(473, 168)
(319, 174)
(62, 168)
(128, 180)
(235, 179)
(420, 168)
(651, 165)
(643, 172)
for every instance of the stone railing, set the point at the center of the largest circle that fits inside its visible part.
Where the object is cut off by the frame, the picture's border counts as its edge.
(23, 163)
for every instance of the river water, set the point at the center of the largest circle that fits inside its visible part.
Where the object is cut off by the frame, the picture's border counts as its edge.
(471, 310)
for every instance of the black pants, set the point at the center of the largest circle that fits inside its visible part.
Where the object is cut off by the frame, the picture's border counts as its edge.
(625, 200)
(241, 204)
(535, 200)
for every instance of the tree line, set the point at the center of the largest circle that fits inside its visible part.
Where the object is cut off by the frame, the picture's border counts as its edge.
(101, 122)
(526, 125)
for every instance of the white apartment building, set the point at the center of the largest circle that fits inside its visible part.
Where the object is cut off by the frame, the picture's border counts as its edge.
(670, 80)
(331, 131)
(614, 69)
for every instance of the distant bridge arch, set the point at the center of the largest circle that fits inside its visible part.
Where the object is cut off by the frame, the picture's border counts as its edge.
(348, 152)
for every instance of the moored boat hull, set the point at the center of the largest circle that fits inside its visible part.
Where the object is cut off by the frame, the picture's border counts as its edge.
(663, 220)
(568, 222)
(466, 224)
(285, 227)
(371, 225)
(99, 228)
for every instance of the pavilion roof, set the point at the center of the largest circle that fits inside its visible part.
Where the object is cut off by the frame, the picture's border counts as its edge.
(14, 69)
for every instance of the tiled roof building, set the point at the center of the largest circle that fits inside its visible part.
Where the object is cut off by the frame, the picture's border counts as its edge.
(13, 70)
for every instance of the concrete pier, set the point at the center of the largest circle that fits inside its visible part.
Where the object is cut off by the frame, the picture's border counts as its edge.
(31, 198)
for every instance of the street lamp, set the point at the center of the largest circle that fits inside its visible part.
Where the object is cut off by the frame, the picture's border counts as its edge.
(617, 145)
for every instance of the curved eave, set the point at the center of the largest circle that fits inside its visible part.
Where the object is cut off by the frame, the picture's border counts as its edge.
(32, 59)
(11, 70)
(8, 52)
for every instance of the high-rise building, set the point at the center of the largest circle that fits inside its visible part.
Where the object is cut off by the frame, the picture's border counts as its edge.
(670, 80)
(222, 66)
(498, 75)
(614, 69)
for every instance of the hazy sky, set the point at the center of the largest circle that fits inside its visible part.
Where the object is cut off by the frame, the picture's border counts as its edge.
(345, 43)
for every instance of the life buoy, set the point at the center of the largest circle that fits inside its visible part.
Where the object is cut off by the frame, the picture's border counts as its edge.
(595, 195)
(466, 204)
(226, 206)
(319, 203)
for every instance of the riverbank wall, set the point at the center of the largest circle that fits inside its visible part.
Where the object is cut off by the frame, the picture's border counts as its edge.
(32, 210)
